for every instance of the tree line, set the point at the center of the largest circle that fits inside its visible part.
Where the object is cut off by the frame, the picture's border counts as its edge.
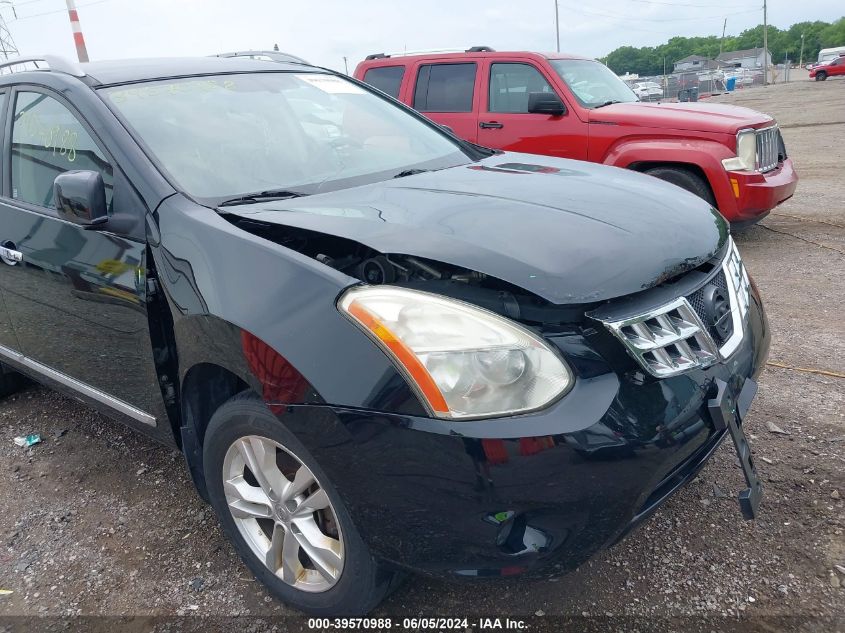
(648, 60)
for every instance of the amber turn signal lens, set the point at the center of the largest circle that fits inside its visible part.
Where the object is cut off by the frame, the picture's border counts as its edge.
(406, 357)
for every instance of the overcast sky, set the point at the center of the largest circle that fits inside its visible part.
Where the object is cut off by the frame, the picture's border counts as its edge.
(324, 31)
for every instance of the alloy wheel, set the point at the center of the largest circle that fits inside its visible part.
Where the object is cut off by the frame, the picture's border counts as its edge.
(283, 513)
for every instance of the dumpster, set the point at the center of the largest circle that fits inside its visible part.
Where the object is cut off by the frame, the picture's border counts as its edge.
(688, 94)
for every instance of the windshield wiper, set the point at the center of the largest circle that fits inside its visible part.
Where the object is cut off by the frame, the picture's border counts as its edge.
(606, 103)
(262, 196)
(410, 172)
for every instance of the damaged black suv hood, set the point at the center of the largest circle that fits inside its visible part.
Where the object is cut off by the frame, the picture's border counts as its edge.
(568, 231)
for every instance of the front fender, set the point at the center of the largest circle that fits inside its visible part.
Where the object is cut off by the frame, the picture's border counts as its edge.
(708, 155)
(229, 290)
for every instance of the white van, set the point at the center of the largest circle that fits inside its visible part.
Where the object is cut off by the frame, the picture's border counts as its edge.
(826, 54)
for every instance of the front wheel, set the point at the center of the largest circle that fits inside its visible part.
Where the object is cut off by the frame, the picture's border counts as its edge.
(284, 517)
(821, 76)
(685, 179)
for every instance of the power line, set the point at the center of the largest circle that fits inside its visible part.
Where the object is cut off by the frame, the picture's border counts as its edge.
(38, 15)
(25, 2)
(682, 5)
(627, 26)
(636, 19)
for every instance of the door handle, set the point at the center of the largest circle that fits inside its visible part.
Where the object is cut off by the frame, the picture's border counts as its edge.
(488, 125)
(9, 255)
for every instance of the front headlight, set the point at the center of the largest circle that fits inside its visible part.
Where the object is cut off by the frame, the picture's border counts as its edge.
(465, 362)
(746, 153)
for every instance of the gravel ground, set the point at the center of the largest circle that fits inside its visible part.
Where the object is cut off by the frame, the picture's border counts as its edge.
(99, 521)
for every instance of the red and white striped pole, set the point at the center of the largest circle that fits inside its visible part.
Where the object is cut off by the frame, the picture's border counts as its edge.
(81, 51)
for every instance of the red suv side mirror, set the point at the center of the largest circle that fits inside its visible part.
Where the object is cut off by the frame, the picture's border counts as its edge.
(545, 103)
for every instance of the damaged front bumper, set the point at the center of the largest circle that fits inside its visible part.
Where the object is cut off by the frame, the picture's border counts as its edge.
(539, 492)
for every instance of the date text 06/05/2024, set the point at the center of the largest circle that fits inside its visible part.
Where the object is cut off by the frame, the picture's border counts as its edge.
(416, 624)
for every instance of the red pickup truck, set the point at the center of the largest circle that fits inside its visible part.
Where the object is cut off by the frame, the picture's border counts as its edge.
(830, 68)
(574, 107)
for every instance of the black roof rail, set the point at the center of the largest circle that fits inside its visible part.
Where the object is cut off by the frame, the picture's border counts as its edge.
(54, 62)
(376, 56)
(480, 49)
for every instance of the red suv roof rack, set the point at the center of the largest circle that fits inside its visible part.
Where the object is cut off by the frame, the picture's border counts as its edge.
(471, 49)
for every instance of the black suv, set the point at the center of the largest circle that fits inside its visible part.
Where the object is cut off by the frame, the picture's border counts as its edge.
(379, 347)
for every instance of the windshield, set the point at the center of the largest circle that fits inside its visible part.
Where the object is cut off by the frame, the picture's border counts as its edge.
(592, 83)
(229, 135)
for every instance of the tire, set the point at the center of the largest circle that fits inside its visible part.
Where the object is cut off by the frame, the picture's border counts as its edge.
(351, 588)
(685, 179)
(10, 381)
(821, 76)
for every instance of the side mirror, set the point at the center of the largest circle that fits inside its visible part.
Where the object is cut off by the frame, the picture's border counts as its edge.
(80, 198)
(545, 103)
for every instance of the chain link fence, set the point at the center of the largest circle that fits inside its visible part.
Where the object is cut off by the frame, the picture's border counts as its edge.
(690, 86)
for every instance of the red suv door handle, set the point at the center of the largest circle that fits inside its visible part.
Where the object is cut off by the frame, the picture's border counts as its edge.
(486, 125)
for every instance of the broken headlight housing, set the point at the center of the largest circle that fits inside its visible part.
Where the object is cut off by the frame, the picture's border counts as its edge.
(463, 361)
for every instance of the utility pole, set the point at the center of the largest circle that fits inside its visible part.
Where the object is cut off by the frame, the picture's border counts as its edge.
(81, 51)
(801, 56)
(346, 65)
(765, 46)
(7, 44)
(722, 41)
(557, 25)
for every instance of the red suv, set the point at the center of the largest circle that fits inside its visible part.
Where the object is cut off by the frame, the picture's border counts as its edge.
(574, 107)
(831, 68)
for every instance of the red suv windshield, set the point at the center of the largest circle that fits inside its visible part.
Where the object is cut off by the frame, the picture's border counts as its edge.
(592, 83)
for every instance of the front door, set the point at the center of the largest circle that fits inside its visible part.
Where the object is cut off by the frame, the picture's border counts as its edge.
(505, 123)
(8, 259)
(77, 297)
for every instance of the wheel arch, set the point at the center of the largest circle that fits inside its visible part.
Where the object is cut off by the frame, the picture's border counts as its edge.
(703, 155)
(205, 387)
(644, 166)
(219, 361)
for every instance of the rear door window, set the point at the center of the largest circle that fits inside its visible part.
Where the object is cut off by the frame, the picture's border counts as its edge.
(388, 79)
(445, 87)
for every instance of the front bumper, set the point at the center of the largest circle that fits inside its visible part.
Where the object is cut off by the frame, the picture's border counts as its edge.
(756, 194)
(533, 493)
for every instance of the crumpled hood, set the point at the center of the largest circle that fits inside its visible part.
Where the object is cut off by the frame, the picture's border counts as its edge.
(568, 231)
(695, 117)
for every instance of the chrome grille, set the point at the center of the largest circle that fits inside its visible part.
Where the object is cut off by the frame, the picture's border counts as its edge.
(668, 340)
(768, 148)
(673, 338)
